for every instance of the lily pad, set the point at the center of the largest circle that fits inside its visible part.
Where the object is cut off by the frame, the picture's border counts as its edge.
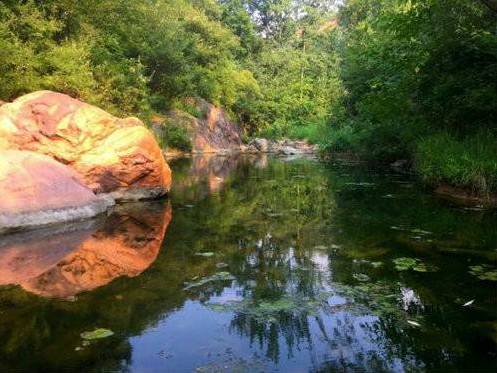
(420, 267)
(219, 276)
(205, 254)
(406, 264)
(484, 272)
(97, 334)
(266, 310)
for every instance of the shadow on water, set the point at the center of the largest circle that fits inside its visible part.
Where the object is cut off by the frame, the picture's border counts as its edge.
(268, 265)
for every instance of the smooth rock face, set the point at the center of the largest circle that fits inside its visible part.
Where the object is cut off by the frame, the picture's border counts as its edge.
(212, 132)
(112, 154)
(37, 190)
(63, 260)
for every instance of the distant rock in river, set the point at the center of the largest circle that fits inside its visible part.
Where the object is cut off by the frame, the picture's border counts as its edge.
(210, 130)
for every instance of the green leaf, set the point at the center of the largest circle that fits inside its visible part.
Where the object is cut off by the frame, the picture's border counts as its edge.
(97, 334)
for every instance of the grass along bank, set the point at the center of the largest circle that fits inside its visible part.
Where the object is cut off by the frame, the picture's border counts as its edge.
(468, 164)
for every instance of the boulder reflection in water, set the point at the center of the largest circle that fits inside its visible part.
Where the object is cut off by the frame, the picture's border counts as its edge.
(213, 170)
(64, 260)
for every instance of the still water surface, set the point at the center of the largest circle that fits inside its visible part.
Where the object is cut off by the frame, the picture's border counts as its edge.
(258, 265)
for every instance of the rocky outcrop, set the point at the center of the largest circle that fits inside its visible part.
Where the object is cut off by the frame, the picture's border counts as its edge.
(403, 166)
(210, 130)
(285, 147)
(36, 190)
(113, 155)
(63, 260)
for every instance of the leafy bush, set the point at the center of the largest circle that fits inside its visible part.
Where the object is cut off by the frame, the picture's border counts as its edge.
(190, 108)
(273, 131)
(175, 136)
(342, 138)
(86, 48)
(418, 80)
(315, 133)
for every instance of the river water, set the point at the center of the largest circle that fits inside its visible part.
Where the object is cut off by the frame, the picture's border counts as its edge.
(259, 264)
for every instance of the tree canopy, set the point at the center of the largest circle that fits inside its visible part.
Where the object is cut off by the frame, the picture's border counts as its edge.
(382, 78)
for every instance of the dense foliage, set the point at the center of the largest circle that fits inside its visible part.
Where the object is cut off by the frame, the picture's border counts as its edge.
(293, 60)
(387, 79)
(421, 82)
(128, 56)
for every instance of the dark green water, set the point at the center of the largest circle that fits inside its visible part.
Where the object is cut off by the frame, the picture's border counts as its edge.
(300, 270)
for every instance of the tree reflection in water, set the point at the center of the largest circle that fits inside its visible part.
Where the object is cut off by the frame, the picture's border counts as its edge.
(313, 249)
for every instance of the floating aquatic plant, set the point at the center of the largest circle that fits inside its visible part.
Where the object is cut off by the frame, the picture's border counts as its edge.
(205, 254)
(97, 334)
(269, 309)
(365, 261)
(219, 276)
(379, 298)
(484, 272)
(406, 264)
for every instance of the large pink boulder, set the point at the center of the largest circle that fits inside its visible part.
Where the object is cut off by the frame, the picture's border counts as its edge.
(118, 156)
(35, 190)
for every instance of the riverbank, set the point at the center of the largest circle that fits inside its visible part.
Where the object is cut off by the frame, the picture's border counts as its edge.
(254, 146)
(465, 195)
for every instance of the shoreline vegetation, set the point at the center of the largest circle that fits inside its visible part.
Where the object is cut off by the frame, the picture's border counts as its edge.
(385, 80)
